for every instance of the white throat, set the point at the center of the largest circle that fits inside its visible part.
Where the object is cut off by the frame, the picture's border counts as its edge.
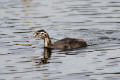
(47, 42)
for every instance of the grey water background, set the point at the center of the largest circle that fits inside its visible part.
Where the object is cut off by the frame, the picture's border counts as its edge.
(96, 21)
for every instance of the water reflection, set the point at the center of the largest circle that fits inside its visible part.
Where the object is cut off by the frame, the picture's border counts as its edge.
(46, 56)
(28, 3)
(27, 10)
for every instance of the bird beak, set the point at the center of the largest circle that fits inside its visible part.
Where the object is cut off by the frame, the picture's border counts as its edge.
(33, 36)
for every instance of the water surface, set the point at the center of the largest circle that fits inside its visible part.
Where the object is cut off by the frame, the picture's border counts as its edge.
(95, 21)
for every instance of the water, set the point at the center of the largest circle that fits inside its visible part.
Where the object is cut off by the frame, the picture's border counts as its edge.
(95, 21)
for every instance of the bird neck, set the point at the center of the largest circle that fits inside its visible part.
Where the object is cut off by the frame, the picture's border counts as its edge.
(47, 42)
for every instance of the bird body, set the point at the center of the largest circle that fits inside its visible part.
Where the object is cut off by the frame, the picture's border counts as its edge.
(69, 43)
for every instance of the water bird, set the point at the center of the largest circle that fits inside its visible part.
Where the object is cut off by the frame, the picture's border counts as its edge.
(64, 44)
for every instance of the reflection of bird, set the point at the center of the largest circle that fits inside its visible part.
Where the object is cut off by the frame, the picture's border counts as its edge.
(66, 43)
(47, 55)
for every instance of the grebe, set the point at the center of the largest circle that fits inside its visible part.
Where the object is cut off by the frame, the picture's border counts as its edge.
(66, 43)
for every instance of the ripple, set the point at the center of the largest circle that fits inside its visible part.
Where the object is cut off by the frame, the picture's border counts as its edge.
(24, 44)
